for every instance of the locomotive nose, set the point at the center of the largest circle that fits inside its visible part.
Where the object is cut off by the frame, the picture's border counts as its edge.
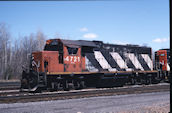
(29, 81)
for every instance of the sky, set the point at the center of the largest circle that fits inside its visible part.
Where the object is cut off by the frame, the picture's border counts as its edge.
(139, 22)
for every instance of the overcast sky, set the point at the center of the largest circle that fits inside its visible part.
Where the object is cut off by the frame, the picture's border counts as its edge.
(141, 22)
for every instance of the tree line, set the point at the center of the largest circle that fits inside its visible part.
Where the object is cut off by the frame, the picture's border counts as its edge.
(14, 53)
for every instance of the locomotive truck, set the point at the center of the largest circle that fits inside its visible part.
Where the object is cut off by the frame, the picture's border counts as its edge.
(76, 64)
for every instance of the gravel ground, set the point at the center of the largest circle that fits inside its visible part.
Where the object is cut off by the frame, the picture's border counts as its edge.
(133, 103)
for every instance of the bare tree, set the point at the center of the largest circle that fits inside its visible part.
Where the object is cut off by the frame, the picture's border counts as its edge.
(13, 55)
(27, 45)
(4, 50)
(40, 38)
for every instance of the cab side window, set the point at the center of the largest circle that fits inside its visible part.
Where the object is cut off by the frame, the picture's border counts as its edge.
(72, 51)
(46, 66)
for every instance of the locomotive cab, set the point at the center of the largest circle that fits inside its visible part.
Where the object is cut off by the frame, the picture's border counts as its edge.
(58, 56)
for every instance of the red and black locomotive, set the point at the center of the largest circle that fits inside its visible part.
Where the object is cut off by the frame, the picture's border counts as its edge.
(66, 64)
(162, 63)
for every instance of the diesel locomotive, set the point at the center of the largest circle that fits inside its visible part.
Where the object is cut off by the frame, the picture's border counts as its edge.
(76, 64)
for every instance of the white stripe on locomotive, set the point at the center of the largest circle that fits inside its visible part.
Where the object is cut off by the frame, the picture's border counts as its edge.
(168, 67)
(112, 69)
(119, 60)
(134, 60)
(102, 61)
(148, 60)
(89, 65)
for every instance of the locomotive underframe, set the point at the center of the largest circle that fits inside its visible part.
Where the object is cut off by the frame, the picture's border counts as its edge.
(79, 80)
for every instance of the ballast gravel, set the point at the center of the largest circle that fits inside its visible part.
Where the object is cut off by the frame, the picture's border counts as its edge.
(133, 103)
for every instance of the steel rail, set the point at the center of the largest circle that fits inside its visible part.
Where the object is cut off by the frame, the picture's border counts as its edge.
(82, 94)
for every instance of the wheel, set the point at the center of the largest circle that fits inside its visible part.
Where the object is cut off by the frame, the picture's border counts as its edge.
(66, 86)
(53, 87)
(82, 85)
(77, 85)
(133, 81)
(148, 81)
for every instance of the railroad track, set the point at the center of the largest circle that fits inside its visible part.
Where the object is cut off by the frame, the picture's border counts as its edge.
(9, 85)
(28, 97)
